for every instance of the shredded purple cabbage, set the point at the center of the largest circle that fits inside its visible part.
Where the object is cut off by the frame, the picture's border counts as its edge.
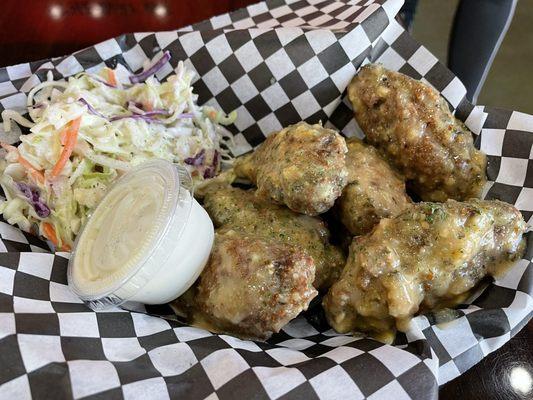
(197, 160)
(135, 116)
(156, 112)
(139, 113)
(90, 108)
(141, 77)
(148, 116)
(211, 171)
(33, 195)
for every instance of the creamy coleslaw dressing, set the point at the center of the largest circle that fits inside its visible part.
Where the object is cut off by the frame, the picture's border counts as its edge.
(147, 241)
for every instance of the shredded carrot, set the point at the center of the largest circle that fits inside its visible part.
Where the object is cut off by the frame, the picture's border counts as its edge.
(36, 174)
(71, 137)
(8, 147)
(63, 135)
(50, 233)
(147, 106)
(111, 77)
(25, 163)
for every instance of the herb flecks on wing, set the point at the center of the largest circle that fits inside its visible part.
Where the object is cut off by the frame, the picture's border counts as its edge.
(411, 124)
(428, 257)
(240, 210)
(374, 189)
(301, 166)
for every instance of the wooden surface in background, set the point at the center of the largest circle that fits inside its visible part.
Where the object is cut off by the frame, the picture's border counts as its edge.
(32, 30)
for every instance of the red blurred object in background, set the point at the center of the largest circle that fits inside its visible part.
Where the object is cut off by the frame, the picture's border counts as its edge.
(36, 29)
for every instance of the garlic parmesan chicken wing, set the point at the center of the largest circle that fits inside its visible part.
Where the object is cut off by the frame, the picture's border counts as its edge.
(302, 166)
(428, 257)
(239, 210)
(374, 190)
(411, 124)
(251, 286)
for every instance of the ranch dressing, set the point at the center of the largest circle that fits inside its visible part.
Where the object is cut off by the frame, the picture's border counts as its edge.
(147, 241)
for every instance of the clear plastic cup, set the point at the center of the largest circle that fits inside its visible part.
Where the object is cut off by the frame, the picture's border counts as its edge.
(147, 241)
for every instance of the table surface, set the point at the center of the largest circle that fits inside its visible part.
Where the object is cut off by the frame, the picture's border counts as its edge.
(43, 29)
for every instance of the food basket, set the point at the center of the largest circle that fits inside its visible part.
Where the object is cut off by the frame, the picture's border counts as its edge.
(276, 63)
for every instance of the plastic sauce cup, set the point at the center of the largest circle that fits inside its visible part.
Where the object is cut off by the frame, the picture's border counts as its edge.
(147, 241)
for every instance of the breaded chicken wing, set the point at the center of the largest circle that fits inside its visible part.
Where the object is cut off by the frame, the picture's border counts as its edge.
(239, 210)
(251, 286)
(411, 124)
(428, 257)
(302, 166)
(374, 191)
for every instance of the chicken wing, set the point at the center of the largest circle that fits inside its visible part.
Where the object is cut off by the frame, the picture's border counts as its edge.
(302, 166)
(240, 210)
(413, 127)
(374, 191)
(251, 286)
(428, 257)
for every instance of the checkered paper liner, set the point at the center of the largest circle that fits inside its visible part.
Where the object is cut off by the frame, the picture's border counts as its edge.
(276, 63)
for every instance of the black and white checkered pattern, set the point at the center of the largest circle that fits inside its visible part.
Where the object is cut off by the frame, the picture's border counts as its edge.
(276, 62)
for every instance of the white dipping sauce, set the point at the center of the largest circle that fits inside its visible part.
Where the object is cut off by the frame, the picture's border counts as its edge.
(147, 241)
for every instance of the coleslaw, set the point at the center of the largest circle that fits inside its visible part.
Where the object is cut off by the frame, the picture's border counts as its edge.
(87, 131)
